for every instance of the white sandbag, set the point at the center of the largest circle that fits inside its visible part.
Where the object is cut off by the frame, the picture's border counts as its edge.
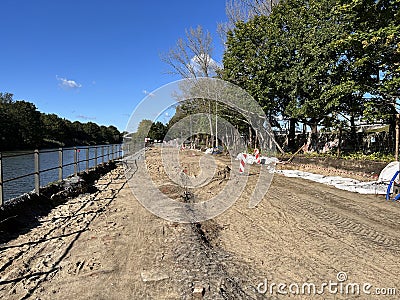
(209, 151)
(388, 172)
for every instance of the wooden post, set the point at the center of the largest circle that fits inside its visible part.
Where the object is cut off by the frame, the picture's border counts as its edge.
(60, 164)
(95, 156)
(1, 181)
(75, 161)
(396, 153)
(87, 159)
(216, 123)
(37, 171)
(339, 142)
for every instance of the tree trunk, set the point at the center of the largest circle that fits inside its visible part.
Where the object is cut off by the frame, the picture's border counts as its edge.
(396, 148)
(339, 142)
(314, 136)
(256, 139)
(314, 128)
(353, 133)
(211, 125)
(250, 143)
(292, 134)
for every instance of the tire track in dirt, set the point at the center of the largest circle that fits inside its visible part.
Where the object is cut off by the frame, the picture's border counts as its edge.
(305, 235)
(373, 237)
(347, 221)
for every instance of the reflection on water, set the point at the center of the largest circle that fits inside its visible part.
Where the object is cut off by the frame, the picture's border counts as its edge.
(15, 166)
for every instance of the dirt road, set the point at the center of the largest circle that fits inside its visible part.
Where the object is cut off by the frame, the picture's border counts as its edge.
(105, 245)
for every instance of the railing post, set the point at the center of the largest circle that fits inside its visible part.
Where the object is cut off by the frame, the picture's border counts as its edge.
(102, 154)
(95, 156)
(75, 161)
(1, 181)
(87, 159)
(37, 171)
(108, 153)
(60, 164)
(112, 152)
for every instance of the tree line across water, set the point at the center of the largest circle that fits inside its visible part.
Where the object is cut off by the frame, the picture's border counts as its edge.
(22, 126)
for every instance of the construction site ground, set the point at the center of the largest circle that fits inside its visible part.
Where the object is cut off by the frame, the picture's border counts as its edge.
(106, 245)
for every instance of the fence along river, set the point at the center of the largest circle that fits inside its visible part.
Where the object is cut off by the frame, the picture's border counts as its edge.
(18, 172)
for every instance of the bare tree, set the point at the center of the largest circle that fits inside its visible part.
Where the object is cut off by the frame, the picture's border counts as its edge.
(242, 11)
(191, 57)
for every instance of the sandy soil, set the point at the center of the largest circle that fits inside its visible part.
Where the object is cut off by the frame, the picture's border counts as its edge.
(106, 245)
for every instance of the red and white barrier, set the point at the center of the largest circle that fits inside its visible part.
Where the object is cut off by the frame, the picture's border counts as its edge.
(242, 163)
(249, 159)
(257, 155)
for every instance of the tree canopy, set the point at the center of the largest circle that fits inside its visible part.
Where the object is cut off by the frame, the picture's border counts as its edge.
(22, 126)
(314, 60)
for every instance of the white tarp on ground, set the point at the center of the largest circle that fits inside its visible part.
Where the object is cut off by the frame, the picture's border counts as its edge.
(343, 183)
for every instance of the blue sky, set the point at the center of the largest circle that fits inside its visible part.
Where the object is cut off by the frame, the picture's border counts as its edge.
(94, 60)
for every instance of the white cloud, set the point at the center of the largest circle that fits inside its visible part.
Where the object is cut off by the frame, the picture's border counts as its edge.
(68, 83)
(83, 117)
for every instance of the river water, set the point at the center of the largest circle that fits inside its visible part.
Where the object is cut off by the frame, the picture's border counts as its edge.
(16, 164)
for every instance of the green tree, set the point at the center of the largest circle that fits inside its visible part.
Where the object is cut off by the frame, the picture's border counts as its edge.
(22, 126)
(27, 120)
(157, 131)
(371, 53)
(114, 136)
(54, 128)
(291, 63)
(7, 124)
(93, 132)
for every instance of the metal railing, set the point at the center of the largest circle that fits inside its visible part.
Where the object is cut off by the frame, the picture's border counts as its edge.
(94, 156)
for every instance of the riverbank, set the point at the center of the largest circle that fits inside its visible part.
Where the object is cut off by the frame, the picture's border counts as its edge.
(21, 214)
